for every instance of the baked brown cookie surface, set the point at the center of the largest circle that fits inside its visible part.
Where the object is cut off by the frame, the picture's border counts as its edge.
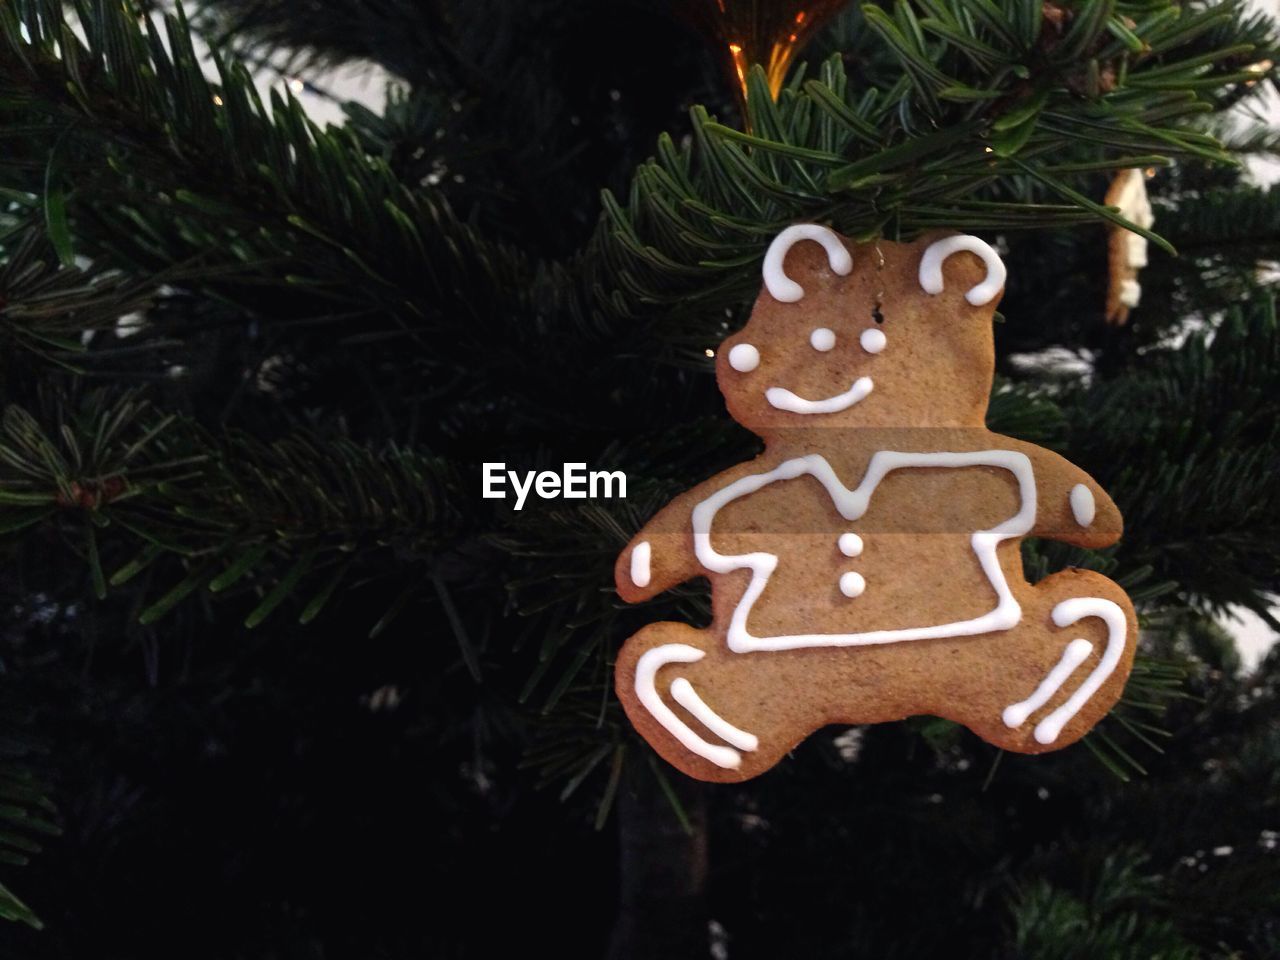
(866, 566)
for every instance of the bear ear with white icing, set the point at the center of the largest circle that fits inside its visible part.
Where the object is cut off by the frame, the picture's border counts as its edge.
(781, 287)
(935, 253)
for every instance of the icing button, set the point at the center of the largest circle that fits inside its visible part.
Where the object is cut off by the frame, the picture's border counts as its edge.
(850, 544)
(852, 584)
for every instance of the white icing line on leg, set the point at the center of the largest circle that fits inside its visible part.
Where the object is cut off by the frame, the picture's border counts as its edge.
(1082, 505)
(1065, 614)
(1077, 651)
(646, 691)
(688, 698)
(640, 564)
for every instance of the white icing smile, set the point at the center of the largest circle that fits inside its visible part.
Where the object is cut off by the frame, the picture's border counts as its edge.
(784, 399)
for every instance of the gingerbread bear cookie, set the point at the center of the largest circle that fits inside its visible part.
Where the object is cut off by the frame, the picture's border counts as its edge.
(866, 566)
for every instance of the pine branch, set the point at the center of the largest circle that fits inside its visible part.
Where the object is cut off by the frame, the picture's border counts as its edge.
(950, 143)
(1120, 913)
(410, 38)
(1218, 224)
(202, 175)
(26, 813)
(290, 518)
(1187, 443)
(46, 309)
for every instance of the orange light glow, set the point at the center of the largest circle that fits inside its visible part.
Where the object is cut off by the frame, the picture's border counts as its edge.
(765, 32)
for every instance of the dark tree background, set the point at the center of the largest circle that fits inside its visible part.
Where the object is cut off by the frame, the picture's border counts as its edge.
(276, 682)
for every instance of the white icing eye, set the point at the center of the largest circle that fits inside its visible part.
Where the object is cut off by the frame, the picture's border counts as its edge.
(822, 339)
(873, 340)
(744, 358)
(850, 544)
(852, 584)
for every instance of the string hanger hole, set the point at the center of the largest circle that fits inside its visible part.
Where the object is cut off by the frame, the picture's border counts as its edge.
(876, 313)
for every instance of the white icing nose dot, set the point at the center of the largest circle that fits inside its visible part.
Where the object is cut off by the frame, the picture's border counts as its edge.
(822, 339)
(744, 358)
(852, 584)
(873, 340)
(850, 544)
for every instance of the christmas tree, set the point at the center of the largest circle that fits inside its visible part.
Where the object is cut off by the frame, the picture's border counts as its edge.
(278, 681)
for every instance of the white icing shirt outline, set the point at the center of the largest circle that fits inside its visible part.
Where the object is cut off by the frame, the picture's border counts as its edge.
(851, 505)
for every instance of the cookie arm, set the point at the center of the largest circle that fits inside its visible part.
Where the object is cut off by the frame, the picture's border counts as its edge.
(665, 548)
(660, 556)
(1070, 505)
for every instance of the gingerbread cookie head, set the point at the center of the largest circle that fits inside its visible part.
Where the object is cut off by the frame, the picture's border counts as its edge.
(865, 335)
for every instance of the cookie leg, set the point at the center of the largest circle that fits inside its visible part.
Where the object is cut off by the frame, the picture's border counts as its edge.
(1088, 627)
(666, 677)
